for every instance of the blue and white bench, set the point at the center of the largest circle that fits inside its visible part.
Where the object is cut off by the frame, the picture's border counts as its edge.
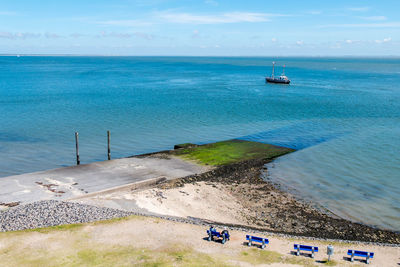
(212, 234)
(357, 253)
(312, 249)
(257, 239)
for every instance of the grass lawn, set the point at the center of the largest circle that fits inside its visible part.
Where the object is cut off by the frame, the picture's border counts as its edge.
(231, 151)
(121, 242)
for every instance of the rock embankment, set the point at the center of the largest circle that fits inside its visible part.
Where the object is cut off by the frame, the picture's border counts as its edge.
(51, 213)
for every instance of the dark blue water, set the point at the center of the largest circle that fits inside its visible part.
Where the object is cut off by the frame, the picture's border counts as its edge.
(342, 114)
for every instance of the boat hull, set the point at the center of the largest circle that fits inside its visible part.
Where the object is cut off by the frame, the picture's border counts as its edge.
(273, 80)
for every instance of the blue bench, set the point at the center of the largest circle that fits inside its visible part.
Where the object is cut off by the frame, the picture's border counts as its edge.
(305, 248)
(257, 239)
(357, 253)
(211, 234)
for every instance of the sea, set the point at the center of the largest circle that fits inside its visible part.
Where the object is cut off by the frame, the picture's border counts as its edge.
(342, 115)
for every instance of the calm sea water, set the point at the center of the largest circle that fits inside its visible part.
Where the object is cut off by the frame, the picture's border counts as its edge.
(342, 114)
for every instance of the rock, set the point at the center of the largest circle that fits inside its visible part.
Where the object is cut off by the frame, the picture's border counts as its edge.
(51, 213)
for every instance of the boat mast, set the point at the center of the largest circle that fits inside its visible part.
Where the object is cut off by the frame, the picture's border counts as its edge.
(273, 66)
(283, 74)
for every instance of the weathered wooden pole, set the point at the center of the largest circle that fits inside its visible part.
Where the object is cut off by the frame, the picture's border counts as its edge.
(77, 148)
(108, 145)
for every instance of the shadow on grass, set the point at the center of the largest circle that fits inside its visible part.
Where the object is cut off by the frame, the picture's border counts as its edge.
(213, 240)
(349, 259)
(301, 254)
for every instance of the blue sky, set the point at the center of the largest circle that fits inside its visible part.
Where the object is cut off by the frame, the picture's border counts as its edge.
(202, 27)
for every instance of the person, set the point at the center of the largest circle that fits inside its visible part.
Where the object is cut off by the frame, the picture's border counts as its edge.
(210, 235)
(225, 231)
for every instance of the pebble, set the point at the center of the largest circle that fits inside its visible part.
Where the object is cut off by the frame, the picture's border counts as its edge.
(51, 213)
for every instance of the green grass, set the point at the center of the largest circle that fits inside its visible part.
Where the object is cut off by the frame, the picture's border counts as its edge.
(231, 151)
(257, 256)
(73, 245)
(64, 227)
(329, 263)
(96, 255)
(184, 256)
(101, 255)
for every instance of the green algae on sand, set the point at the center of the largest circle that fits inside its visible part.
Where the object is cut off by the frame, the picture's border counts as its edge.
(231, 151)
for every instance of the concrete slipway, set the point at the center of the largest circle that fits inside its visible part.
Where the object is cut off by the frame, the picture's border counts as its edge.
(75, 181)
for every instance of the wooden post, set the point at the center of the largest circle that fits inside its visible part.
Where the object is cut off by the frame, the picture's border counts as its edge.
(77, 148)
(108, 146)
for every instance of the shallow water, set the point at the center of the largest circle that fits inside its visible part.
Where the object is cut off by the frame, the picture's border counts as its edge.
(342, 114)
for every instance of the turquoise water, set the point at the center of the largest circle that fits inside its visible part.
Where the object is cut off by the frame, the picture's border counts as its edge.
(342, 114)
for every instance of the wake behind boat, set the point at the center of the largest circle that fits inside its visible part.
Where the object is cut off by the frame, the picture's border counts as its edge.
(281, 79)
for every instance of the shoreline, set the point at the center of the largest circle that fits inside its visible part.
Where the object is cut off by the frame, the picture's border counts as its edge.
(321, 223)
(239, 198)
(237, 188)
(320, 208)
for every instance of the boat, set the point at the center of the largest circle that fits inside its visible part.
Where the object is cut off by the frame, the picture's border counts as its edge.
(281, 79)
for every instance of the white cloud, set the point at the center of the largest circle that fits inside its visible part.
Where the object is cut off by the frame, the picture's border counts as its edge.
(363, 25)
(144, 35)
(300, 42)
(385, 40)
(126, 23)
(374, 18)
(7, 35)
(314, 12)
(349, 41)
(19, 35)
(190, 18)
(50, 35)
(115, 34)
(77, 35)
(359, 9)
(126, 35)
(274, 40)
(195, 34)
(232, 17)
(336, 46)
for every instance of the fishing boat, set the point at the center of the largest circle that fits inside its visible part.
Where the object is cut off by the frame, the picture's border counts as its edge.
(281, 79)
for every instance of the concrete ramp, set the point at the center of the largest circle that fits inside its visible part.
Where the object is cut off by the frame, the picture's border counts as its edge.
(70, 182)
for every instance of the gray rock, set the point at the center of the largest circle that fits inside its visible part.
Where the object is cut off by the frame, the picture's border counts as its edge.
(51, 213)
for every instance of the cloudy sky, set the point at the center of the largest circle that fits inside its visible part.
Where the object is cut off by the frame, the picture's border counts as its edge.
(200, 27)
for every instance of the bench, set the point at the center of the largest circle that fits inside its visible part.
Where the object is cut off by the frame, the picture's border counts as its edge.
(305, 248)
(357, 253)
(257, 239)
(211, 234)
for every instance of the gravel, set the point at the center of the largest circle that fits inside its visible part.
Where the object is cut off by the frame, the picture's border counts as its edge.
(51, 213)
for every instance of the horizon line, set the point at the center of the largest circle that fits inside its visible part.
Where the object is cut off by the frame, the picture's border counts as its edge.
(232, 56)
